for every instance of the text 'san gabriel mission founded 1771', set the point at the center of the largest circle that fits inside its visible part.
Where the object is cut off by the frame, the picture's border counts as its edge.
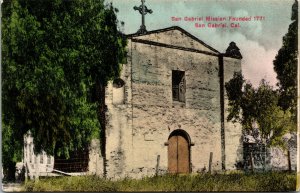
(218, 22)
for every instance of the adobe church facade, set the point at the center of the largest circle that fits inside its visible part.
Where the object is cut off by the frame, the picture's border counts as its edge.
(167, 112)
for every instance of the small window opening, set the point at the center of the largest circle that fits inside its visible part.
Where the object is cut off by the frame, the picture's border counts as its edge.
(178, 85)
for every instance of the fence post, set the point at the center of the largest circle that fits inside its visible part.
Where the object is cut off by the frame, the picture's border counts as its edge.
(251, 162)
(210, 162)
(37, 167)
(265, 157)
(289, 160)
(26, 171)
(157, 164)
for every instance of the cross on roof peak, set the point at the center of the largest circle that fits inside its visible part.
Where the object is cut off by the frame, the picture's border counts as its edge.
(143, 11)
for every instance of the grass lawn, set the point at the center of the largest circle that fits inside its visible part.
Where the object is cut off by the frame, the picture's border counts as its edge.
(275, 181)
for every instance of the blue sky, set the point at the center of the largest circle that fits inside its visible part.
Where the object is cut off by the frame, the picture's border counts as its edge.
(258, 41)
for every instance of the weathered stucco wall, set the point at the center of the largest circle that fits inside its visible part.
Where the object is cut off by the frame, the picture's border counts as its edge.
(95, 166)
(137, 132)
(36, 164)
(138, 128)
(155, 112)
(119, 127)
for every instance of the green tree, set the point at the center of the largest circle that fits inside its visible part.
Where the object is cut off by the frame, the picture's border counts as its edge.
(272, 120)
(240, 100)
(285, 65)
(248, 105)
(57, 59)
(11, 152)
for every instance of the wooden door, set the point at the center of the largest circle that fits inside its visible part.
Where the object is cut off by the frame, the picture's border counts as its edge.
(172, 154)
(178, 155)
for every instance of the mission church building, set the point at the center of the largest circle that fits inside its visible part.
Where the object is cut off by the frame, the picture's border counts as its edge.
(167, 113)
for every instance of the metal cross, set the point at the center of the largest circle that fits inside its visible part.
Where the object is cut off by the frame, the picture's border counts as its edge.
(143, 11)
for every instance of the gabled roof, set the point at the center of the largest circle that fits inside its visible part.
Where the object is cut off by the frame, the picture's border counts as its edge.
(146, 37)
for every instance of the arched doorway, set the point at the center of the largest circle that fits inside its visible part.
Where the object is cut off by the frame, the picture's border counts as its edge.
(179, 152)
